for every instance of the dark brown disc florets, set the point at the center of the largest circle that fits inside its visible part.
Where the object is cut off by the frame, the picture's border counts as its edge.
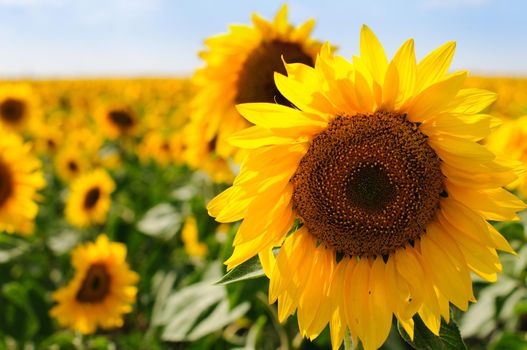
(92, 197)
(256, 79)
(12, 110)
(123, 119)
(368, 185)
(96, 285)
(6, 184)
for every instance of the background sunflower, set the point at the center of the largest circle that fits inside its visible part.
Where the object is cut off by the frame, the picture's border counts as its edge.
(239, 68)
(102, 290)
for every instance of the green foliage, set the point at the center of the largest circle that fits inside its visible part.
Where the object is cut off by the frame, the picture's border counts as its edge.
(449, 336)
(246, 271)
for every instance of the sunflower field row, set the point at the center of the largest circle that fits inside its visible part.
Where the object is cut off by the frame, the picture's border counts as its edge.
(355, 204)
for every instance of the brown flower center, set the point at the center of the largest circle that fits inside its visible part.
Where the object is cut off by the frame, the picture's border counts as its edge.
(95, 286)
(52, 145)
(92, 196)
(121, 118)
(12, 110)
(368, 185)
(6, 183)
(73, 166)
(256, 79)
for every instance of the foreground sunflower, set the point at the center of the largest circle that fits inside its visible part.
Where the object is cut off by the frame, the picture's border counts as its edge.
(239, 69)
(102, 290)
(89, 199)
(20, 179)
(378, 177)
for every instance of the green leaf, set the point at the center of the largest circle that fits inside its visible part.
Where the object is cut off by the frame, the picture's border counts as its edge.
(23, 319)
(162, 221)
(521, 308)
(449, 337)
(192, 312)
(512, 230)
(246, 271)
(480, 319)
(11, 248)
(509, 341)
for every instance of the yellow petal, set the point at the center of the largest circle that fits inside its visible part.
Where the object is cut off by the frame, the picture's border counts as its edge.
(493, 204)
(472, 101)
(303, 94)
(275, 116)
(372, 54)
(404, 61)
(434, 66)
(436, 97)
(256, 137)
(450, 280)
(390, 88)
(473, 129)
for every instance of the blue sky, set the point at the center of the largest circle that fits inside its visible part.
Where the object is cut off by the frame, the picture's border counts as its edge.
(68, 38)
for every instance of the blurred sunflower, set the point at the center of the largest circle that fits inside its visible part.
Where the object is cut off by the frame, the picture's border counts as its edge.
(20, 179)
(510, 139)
(70, 163)
(156, 146)
(381, 167)
(102, 290)
(89, 200)
(190, 238)
(239, 69)
(199, 155)
(19, 107)
(116, 120)
(48, 139)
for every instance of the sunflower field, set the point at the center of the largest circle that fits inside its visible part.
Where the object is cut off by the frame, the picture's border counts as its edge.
(281, 197)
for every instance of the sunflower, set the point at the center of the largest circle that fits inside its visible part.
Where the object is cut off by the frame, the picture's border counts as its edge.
(510, 140)
(102, 290)
(20, 179)
(19, 107)
(70, 163)
(190, 238)
(116, 120)
(48, 139)
(199, 155)
(158, 147)
(239, 69)
(89, 199)
(376, 189)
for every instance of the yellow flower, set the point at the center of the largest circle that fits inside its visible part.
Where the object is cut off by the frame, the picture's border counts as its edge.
(116, 120)
(19, 107)
(189, 236)
(239, 68)
(48, 139)
(20, 179)
(158, 147)
(102, 290)
(199, 155)
(89, 199)
(70, 163)
(510, 140)
(380, 165)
